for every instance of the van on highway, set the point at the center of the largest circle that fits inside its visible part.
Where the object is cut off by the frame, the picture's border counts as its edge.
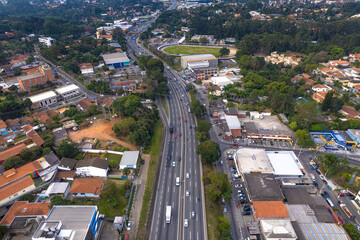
(177, 181)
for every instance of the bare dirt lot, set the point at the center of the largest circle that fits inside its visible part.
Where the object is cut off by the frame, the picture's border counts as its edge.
(102, 131)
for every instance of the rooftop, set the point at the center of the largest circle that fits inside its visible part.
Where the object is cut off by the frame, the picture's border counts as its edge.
(42, 96)
(232, 122)
(87, 185)
(57, 188)
(30, 76)
(112, 58)
(323, 231)
(23, 208)
(277, 229)
(93, 162)
(74, 220)
(198, 57)
(67, 163)
(65, 174)
(2, 124)
(270, 209)
(284, 163)
(253, 160)
(35, 138)
(15, 187)
(129, 158)
(12, 151)
(66, 89)
(16, 173)
(263, 187)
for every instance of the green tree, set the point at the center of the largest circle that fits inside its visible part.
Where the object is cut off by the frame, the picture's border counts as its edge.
(140, 136)
(27, 103)
(13, 162)
(126, 171)
(203, 40)
(224, 232)
(352, 231)
(203, 126)
(3, 231)
(306, 114)
(336, 104)
(304, 138)
(112, 163)
(293, 126)
(332, 164)
(224, 51)
(125, 126)
(337, 53)
(254, 96)
(17, 72)
(30, 60)
(67, 149)
(327, 101)
(209, 151)
(58, 200)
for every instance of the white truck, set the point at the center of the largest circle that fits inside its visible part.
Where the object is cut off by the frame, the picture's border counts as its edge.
(168, 214)
(312, 176)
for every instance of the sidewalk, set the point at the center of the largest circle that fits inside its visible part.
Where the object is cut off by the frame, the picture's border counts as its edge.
(139, 183)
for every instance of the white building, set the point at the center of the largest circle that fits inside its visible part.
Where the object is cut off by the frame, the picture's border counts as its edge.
(321, 88)
(58, 188)
(285, 164)
(221, 81)
(274, 229)
(68, 91)
(44, 99)
(96, 167)
(48, 41)
(232, 122)
(86, 69)
(129, 160)
(252, 160)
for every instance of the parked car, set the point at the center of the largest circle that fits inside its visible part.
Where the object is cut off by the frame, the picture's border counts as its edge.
(247, 208)
(246, 213)
(128, 226)
(223, 200)
(225, 209)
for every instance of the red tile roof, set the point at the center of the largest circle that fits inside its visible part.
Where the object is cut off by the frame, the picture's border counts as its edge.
(15, 187)
(23, 208)
(27, 128)
(12, 151)
(41, 116)
(35, 138)
(11, 122)
(270, 209)
(87, 185)
(16, 173)
(2, 124)
(350, 111)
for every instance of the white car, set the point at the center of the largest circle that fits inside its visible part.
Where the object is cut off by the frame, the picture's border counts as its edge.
(174, 164)
(187, 193)
(321, 177)
(128, 227)
(187, 175)
(186, 223)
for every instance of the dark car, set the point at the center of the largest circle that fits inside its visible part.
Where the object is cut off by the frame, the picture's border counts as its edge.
(179, 158)
(246, 208)
(169, 157)
(325, 194)
(246, 213)
(272, 144)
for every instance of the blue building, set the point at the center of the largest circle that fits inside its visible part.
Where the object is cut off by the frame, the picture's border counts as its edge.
(116, 60)
(70, 222)
(355, 135)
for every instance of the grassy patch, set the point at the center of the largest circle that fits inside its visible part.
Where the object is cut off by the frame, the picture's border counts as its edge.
(213, 210)
(154, 157)
(113, 201)
(114, 157)
(179, 50)
(164, 104)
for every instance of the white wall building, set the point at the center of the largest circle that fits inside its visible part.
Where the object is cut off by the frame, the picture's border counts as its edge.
(96, 167)
(44, 99)
(321, 88)
(129, 160)
(232, 122)
(48, 41)
(68, 91)
(221, 81)
(285, 164)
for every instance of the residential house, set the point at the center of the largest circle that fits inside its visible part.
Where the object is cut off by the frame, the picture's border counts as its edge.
(320, 96)
(48, 41)
(13, 124)
(65, 175)
(60, 134)
(97, 167)
(67, 164)
(24, 209)
(12, 151)
(85, 104)
(305, 77)
(321, 88)
(214, 90)
(350, 112)
(11, 192)
(354, 56)
(86, 69)
(51, 158)
(335, 63)
(31, 134)
(2, 127)
(57, 188)
(87, 187)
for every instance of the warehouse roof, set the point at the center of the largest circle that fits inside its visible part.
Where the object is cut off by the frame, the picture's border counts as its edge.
(263, 187)
(232, 122)
(112, 58)
(199, 57)
(42, 96)
(252, 160)
(129, 158)
(323, 231)
(284, 163)
(66, 89)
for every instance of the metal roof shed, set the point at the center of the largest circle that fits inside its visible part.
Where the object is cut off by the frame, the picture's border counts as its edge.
(129, 159)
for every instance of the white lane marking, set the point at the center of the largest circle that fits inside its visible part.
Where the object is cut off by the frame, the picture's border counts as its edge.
(195, 184)
(168, 189)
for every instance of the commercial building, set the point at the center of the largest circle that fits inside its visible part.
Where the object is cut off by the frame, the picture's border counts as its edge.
(274, 229)
(355, 135)
(323, 231)
(44, 75)
(116, 60)
(252, 160)
(44, 99)
(68, 91)
(207, 60)
(129, 159)
(48, 41)
(263, 187)
(70, 222)
(285, 164)
(221, 81)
